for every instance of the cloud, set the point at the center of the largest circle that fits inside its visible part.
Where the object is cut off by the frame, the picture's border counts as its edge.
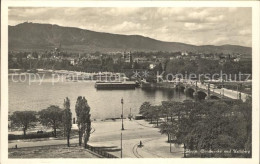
(214, 25)
(199, 15)
(219, 40)
(245, 32)
(127, 26)
(197, 26)
(215, 18)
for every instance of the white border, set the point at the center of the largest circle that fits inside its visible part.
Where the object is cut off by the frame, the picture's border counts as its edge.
(4, 73)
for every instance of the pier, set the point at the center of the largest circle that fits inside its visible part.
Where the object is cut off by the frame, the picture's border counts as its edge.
(115, 85)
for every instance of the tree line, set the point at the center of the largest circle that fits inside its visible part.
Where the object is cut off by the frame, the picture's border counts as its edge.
(207, 66)
(57, 118)
(213, 126)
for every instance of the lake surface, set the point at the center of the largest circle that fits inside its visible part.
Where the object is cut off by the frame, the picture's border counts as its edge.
(103, 103)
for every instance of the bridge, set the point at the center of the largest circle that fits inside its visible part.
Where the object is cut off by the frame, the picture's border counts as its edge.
(204, 91)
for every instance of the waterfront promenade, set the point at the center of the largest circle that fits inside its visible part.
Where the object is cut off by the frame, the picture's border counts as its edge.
(107, 135)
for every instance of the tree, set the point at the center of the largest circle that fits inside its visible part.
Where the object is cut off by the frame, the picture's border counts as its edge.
(246, 110)
(23, 119)
(51, 117)
(175, 109)
(166, 109)
(83, 119)
(157, 110)
(170, 129)
(67, 119)
(144, 108)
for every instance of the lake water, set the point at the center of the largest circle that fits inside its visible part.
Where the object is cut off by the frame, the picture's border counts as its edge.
(103, 103)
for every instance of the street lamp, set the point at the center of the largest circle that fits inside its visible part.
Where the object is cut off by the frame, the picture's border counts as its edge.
(121, 145)
(237, 91)
(122, 116)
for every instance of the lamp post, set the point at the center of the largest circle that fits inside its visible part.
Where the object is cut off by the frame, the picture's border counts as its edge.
(237, 91)
(122, 102)
(223, 87)
(130, 114)
(239, 95)
(121, 145)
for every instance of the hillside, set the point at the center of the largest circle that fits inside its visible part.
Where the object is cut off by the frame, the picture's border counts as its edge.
(33, 36)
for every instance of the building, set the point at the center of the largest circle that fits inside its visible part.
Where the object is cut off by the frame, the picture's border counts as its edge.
(140, 60)
(236, 59)
(72, 61)
(151, 66)
(128, 58)
(185, 53)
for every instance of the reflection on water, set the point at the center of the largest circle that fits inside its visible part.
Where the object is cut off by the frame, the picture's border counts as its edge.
(103, 103)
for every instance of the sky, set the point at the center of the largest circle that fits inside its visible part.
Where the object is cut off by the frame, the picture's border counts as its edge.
(197, 26)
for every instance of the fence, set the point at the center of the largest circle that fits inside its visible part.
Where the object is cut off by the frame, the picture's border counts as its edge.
(100, 152)
(217, 155)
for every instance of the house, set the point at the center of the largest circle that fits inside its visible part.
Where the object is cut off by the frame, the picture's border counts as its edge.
(184, 53)
(236, 59)
(115, 60)
(72, 61)
(179, 57)
(222, 61)
(192, 58)
(140, 60)
(151, 66)
(29, 56)
(160, 59)
(128, 58)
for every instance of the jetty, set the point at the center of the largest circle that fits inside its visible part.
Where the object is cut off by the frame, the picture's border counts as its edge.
(116, 85)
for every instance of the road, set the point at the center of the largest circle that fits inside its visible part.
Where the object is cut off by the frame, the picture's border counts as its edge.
(227, 92)
(107, 135)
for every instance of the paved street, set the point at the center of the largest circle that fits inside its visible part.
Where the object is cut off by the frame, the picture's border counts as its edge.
(107, 135)
(227, 92)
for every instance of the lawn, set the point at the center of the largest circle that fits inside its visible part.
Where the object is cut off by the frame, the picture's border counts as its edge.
(53, 151)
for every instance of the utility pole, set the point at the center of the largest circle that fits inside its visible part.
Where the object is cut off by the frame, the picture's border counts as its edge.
(122, 102)
(121, 145)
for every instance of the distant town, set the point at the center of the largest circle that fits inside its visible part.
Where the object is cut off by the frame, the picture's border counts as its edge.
(118, 61)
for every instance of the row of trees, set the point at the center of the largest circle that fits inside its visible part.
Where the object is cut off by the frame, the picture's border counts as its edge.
(209, 125)
(207, 66)
(57, 118)
(86, 65)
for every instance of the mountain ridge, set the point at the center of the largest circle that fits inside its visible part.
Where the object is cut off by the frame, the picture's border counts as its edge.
(36, 36)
